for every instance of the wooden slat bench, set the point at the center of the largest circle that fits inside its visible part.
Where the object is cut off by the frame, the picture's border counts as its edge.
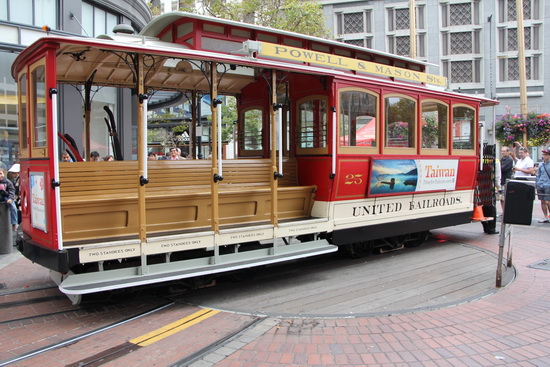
(99, 199)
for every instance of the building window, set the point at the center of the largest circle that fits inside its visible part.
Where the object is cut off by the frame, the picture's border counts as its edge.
(33, 12)
(461, 43)
(399, 19)
(460, 14)
(399, 28)
(401, 45)
(508, 38)
(354, 23)
(462, 71)
(402, 20)
(509, 68)
(96, 21)
(359, 42)
(507, 10)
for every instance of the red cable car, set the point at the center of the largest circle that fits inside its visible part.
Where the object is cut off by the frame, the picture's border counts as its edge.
(336, 146)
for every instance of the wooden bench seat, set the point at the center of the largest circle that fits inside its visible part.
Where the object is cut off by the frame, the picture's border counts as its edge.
(99, 199)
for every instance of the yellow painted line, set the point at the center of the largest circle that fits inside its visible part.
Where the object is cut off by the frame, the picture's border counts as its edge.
(170, 329)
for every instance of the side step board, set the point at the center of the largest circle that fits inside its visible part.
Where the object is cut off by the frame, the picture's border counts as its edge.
(77, 284)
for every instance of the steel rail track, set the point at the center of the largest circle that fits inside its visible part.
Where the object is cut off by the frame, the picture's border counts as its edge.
(82, 336)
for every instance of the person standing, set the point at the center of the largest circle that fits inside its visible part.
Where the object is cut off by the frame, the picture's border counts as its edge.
(7, 195)
(16, 180)
(524, 166)
(543, 185)
(506, 170)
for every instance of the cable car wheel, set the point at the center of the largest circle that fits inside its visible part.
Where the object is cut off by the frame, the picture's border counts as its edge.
(416, 239)
(360, 249)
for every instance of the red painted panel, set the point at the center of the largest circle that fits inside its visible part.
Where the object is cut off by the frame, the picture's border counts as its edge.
(467, 173)
(45, 238)
(352, 178)
(316, 171)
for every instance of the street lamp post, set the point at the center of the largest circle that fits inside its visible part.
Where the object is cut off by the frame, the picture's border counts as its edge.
(521, 65)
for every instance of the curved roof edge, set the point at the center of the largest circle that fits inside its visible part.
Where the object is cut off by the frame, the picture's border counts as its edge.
(162, 21)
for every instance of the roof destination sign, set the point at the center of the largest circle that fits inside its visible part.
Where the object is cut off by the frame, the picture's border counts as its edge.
(301, 55)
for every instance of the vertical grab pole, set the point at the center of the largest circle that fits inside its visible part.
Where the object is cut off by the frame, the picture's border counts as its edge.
(334, 142)
(220, 143)
(142, 162)
(481, 150)
(280, 137)
(274, 174)
(55, 180)
(216, 177)
(193, 138)
(142, 151)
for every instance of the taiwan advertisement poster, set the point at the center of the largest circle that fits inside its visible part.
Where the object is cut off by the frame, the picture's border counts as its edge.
(398, 176)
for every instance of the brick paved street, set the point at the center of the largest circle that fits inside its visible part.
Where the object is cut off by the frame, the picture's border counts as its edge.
(511, 327)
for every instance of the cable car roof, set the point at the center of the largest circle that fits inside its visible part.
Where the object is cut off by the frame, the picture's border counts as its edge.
(176, 67)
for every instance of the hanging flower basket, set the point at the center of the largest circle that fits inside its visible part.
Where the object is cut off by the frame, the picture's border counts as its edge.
(510, 128)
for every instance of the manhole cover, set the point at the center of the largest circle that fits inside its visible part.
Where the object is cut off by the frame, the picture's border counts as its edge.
(542, 265)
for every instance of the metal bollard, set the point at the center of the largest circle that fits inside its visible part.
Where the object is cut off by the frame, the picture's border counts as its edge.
(6, 239)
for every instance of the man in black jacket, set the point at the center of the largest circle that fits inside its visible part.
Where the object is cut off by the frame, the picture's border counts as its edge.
(506, 170)
(7, 195)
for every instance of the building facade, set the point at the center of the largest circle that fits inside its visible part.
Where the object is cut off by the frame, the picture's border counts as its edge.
(473, 43)
(20, 24)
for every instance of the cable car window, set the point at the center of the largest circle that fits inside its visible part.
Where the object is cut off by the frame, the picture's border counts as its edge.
(23, 134)
(435, 117)
(400, 122)
(252, 134)
(312, 124)
(463, 127)
(38, 85)
(358, 119)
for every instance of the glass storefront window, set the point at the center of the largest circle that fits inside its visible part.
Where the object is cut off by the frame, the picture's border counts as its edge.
(21, 11)
(96, 21)
(9, 139)
(45, 13)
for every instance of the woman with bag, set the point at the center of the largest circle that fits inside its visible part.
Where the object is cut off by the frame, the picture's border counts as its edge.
(543, 185)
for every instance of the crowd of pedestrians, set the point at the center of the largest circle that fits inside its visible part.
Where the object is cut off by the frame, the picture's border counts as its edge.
(521, 166)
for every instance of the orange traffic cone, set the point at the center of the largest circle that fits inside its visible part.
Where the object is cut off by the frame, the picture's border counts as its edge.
(478, 214)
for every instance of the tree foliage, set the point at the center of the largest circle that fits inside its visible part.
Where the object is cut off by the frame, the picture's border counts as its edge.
(301, 16)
